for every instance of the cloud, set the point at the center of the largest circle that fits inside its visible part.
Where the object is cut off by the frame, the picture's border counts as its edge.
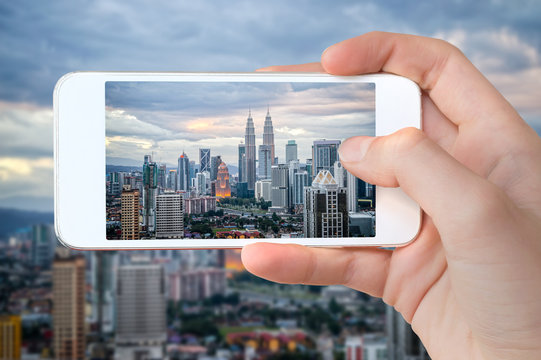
(26, 177)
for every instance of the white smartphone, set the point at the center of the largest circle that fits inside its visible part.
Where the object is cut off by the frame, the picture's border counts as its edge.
(220, 160)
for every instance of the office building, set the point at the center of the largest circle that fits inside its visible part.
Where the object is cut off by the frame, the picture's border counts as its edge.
(43, 245)
(291, 151)
(129, 219)
(202, 183)
(199, 205)
(324, 155)
(361, 195)
(69, 307)
(268, 136)
(171, 180)
(249, 141)
(325, 208)
(265, 162)
(223, 189)
(103, 265)
(309, 169)
(242, 162)
(361, 224)
(194, 169)
(141, 311)
(280, 186)
(204, 160)
(10, 337)
(150, 185)
(170, 216)
(197, 284)
(215, 162)
(162, 176)
(300, 180)
(243, 191)
(263, 189)
(293, 168)
(340, 174)
(183, 173)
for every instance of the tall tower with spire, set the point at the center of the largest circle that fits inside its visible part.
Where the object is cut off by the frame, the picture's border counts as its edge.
(268, 135)
(249, 143)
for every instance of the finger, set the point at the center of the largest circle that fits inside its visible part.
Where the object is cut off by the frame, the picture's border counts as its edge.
(361, 269)
(436, 125)
(309, 67)
(427, 173)
(460, 91)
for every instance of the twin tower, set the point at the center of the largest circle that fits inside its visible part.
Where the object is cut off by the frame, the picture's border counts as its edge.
(247, 153)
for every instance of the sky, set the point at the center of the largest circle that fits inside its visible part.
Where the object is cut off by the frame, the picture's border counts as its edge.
(167, 119)
(42, 40)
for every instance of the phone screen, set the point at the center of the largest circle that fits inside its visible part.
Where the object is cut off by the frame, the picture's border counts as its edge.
(200, 160)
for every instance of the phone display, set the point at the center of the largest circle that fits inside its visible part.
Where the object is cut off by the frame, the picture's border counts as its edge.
(235, 160)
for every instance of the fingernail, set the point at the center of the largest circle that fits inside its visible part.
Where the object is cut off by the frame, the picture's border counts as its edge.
(354, 149)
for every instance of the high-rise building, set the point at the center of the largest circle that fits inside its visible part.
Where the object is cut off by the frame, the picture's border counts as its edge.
(263, 189)
(150, 185)
(249, 140)
(340, 174)
(129, 219)
(43, 245)
(215, 162)
(69, 307)
(291, 151)
(141, 311)
(172, 180)
(162, 176)
(202, 183)
(265, 161)
(193, 170)
(301, 179)
(268, 135)
(199, 205)
(183, 172)
(293, 168)
(170, 216)
(10, 337)
(325, 208)
(204, 160)
(242, 162)
(324, 155)
(223, 189)
(103, 265)
(361, 195)
(309, 169)
(280, 186)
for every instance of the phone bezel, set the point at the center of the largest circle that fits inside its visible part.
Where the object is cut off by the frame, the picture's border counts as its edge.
(79, 120)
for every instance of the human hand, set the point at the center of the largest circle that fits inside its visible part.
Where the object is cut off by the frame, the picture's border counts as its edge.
(470, 284)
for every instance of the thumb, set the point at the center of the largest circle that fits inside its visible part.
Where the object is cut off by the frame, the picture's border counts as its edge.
(456, 198)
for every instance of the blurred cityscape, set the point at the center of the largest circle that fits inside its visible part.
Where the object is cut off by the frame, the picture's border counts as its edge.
(58, 303)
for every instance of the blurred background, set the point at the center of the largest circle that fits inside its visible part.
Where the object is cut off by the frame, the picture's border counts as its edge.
(199, 304)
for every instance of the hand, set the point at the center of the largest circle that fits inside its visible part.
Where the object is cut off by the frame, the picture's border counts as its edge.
(470, 284)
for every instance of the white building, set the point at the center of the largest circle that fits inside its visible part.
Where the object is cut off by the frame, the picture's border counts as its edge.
(169, 216)
(280, 186)
(263, 189)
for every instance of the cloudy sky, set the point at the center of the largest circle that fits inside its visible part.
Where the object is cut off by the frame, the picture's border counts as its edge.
(42, 40)
(167, 119)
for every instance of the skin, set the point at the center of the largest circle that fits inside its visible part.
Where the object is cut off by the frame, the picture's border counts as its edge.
(470, 284)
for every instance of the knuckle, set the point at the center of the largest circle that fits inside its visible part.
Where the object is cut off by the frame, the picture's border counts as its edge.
(407, 140)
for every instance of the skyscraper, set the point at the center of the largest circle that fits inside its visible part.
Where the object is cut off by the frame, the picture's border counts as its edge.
(215, 162)
(268, 135)
(129, 219)
(183, 172)
(223, 189)
(402, 342)
(263, 189)
(204, 160)
(10, 337)
(202, 182)
(280, 186)
(249, 140)
(324, 155)
(242, 163)
(150, 184)
(325, 208)
(170, 216)
(291, 151)
(265, 161)
(69, 307)
(141, 311)
(43, 245)
(162, 172)
(301, 179)
(172, 180)
(340, 174)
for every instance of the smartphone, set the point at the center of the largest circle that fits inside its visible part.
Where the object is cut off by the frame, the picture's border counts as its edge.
(220, 160)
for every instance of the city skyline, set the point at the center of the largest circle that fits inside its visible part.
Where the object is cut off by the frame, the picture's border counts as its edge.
(171, 118)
